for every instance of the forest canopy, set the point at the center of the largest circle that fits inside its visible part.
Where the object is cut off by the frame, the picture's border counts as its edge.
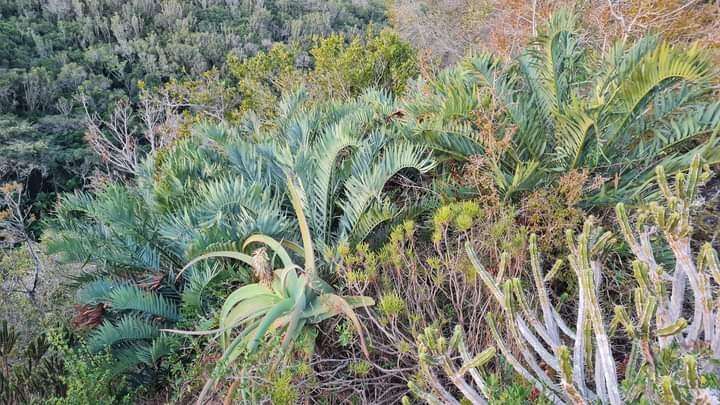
(64, 59)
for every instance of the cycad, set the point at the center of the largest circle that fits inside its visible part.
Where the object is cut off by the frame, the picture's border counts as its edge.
(117, 231)
(212, 190)
(343, 156)
(618, 114)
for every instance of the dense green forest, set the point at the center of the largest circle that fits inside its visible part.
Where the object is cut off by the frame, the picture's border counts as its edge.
(63, 59)
(434, 201)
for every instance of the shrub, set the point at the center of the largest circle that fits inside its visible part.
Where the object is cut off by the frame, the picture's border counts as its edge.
(88, 377)
(52, 369)
(31, 375)
(338, 67)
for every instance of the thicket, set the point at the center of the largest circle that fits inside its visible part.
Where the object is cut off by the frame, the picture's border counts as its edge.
(354, 233)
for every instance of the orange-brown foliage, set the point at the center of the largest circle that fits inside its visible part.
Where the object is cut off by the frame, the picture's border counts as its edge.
(450, 28)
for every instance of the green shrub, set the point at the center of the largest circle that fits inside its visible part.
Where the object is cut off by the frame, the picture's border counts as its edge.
(341, 67)
(88, 377)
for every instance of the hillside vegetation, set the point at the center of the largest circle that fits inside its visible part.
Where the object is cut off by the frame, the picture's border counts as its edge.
(63, 60)
(304, 207)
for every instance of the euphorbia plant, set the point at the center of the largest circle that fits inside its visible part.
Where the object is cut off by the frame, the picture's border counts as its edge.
(674, 337)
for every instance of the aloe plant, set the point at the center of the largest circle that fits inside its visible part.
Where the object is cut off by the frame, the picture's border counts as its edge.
(287, 298)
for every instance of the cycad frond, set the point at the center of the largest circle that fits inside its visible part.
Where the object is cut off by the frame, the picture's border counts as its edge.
(362, 189)
(159, 348)
(247, 202)
(324, 187)
(506, 86)
(525, 176)
(574, 129)
(97, 291)
(702, 120)
(132, 298)
(147, 354)
(491, 72)
(456, 141)
(198, 280)
(620, 61)
(128, 330)
(379, 213)
(291, 103)
(122, 296)
(655, 72)
(551, 65)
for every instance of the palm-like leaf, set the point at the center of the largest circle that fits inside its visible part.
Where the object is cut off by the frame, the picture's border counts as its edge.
(198, 280)
(222, 186)
(127, 331)
(617, 114)
(122, 296)
(362, 190)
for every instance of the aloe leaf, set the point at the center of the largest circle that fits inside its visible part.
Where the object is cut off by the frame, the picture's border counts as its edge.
(357, 302)
(322, 308)
(277, 282)
(347, 310)
(297, 249)
(297, 204)
(295, 317)
(234, 349)
(329, 305)
(292, 283)
(274, 313)
(292, 334)
(249, 309)
(194, 332)
(322, 286)
(243, 293)
(230, 354)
